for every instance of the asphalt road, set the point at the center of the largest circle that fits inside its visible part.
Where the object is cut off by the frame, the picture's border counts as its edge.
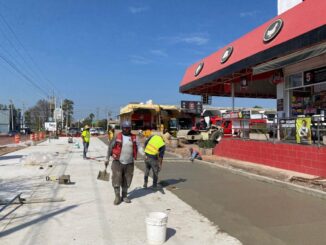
(254, 212)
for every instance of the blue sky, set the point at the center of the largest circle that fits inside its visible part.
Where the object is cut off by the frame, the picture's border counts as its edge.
(103, 54)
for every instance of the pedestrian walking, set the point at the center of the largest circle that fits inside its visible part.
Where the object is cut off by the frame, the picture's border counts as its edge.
(123, 148)
(86, 136)
(154, 151)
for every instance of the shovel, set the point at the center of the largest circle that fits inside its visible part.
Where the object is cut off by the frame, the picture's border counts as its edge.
(103, 175)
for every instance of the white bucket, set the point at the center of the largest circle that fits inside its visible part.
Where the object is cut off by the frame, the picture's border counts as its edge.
(156, 227)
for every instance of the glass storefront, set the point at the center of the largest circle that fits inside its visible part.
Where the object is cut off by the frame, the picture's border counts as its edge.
(307, 106)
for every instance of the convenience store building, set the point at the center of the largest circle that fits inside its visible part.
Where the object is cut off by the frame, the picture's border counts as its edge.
(283, 59)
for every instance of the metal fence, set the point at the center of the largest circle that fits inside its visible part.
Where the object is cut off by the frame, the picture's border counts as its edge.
(296, 130)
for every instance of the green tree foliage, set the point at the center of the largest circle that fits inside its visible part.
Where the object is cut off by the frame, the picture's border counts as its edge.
(102, 123)
(68, 111)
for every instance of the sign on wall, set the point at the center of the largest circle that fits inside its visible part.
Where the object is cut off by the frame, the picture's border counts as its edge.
(314, 76)
(192, 106)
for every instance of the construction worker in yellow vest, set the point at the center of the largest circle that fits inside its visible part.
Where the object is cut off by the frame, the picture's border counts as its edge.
(154, 150)
(86, 138)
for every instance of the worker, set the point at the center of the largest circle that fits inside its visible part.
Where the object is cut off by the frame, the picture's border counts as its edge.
(166, 136)
(110, 133)
(202, 123)
(194, 154)
(154, 151)
(123, 148)
(86, 139)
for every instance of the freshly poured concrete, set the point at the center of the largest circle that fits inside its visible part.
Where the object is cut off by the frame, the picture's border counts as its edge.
(87, 214)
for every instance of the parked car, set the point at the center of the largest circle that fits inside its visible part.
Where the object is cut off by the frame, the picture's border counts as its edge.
(75, 132)
(100, 131)
(94, 131)
(25, 131)
(12, 133)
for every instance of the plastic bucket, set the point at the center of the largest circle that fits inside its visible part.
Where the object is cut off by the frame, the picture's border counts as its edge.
(156, 227)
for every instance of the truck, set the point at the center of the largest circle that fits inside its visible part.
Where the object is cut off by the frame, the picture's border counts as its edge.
(228, 124)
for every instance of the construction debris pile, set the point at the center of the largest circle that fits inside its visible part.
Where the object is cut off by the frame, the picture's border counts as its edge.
(40, 159)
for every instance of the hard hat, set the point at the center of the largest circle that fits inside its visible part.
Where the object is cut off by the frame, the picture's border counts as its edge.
(86, 127)
(126, 124)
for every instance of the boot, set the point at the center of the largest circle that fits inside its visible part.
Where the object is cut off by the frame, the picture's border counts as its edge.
(124, 196)
(145, 182)
(117, 199)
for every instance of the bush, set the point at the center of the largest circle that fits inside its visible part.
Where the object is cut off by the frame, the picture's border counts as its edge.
(206, 144)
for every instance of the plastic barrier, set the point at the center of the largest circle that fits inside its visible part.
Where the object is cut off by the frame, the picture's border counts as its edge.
(17, 139)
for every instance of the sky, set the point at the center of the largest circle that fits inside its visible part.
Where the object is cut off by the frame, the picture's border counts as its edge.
(103, 54)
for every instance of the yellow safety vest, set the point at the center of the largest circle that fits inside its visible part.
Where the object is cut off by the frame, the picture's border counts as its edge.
(110, 135)
(154, 144)
(86, 135)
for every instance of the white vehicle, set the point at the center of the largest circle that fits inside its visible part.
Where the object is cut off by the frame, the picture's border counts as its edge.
(100, 131)
(94, 131)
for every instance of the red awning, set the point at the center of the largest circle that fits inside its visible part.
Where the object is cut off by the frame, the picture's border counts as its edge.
(303, 26)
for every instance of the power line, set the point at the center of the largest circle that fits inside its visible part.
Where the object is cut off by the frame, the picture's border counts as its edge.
(23, 75)
(33, 71)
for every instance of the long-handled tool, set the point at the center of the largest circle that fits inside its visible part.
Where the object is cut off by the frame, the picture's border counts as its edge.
(103, 175)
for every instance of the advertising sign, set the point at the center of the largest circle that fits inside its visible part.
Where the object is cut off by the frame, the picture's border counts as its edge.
(50, 126)
(287, 129)
(192, 106)
(314, 76)
(303, 130)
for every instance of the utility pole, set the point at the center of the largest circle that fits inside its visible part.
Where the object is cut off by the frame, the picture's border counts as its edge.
(61, 115)
(12, 115)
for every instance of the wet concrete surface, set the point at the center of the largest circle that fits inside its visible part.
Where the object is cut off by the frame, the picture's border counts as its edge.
(254, 212)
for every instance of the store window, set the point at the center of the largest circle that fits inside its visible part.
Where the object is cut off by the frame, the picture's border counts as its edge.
(294, 81)
(305, 100)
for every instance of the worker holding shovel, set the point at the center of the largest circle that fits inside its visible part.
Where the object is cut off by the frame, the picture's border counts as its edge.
(123, 148)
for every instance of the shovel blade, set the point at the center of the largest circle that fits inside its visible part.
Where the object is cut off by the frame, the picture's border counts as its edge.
(103, 175)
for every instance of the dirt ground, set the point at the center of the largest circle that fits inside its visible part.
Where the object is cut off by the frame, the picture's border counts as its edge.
(315, 182)
(4, 149)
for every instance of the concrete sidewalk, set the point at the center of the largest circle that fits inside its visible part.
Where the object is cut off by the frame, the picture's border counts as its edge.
(83, 212)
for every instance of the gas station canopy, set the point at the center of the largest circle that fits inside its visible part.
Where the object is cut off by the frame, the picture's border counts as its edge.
(251, 63)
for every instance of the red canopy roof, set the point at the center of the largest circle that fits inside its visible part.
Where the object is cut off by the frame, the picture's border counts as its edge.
(303, 26)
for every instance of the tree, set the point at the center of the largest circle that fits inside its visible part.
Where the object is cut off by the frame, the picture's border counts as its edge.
(258, 107)
(91, 117)
(37, 115)
(68, 111)
(88, 120)
(102, 123)
(3, 107)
